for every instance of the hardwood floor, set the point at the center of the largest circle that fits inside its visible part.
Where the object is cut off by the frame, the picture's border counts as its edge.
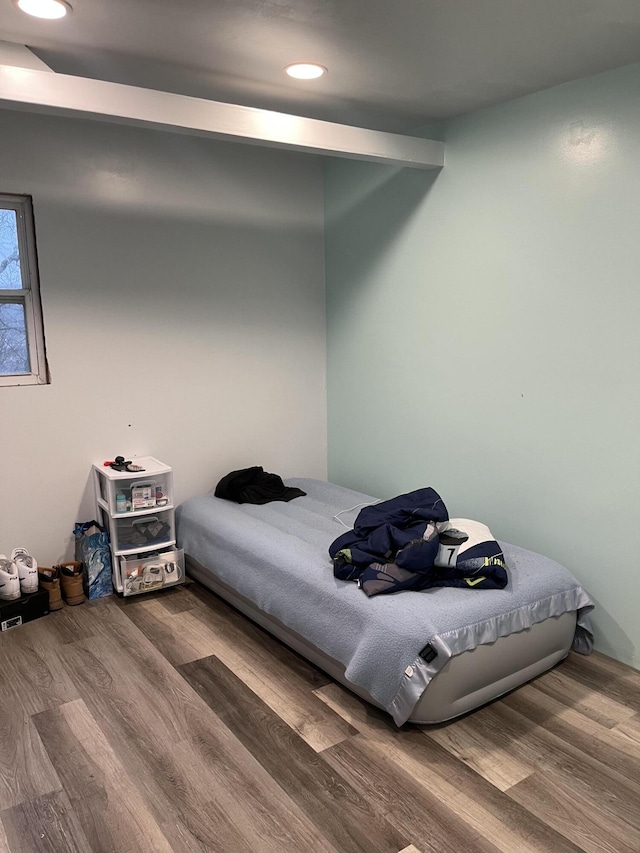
(170, 722)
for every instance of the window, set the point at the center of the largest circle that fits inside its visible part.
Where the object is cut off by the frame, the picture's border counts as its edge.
(22, 356)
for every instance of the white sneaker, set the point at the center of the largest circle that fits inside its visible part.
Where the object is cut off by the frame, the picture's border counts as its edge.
(9, 580)
(27, 570)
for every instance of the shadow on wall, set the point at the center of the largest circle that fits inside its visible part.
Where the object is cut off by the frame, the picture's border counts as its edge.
(610, 637)
(86, 512)
(376, 202)
(128, 267)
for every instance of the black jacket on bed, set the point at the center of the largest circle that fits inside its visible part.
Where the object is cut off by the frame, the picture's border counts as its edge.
(394, 544)
(255, 486)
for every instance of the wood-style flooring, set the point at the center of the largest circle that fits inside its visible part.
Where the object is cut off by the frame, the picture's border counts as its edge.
(170, 722)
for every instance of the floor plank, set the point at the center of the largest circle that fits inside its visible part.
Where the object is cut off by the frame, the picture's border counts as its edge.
(32, 679)
(30, 668)
(609, 746)
(588, 700)
(573, 769)
(25, 769)
(275, 673)
(574, 816)
(282, 678)
(179, 637)
(4, 844)
(415, 811)
(110, 809)
(343, 816)
(490, 759)
(71, 623)
(607, 676)
(203, 788)
(493, 815)
(236, 628)
(630, 732)
(169, 722)
(46, 824)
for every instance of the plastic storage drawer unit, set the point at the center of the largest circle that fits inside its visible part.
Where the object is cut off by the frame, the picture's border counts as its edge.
(137, 508)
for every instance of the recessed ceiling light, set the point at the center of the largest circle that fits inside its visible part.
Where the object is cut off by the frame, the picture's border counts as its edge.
(305, 70)
(44, 8)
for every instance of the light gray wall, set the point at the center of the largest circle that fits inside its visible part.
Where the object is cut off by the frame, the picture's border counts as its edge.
(483, 331)
(183, 296)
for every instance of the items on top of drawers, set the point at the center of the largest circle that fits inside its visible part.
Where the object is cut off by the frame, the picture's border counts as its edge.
(123, 491)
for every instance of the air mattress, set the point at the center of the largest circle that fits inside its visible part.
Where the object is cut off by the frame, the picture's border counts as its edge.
(422, 656)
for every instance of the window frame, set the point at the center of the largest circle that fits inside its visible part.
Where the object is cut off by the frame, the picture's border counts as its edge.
(29, 295)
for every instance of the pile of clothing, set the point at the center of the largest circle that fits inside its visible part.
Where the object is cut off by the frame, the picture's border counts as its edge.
(255, 486)
(409, 542)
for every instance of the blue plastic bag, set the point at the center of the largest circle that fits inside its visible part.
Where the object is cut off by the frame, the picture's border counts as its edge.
(92, 548)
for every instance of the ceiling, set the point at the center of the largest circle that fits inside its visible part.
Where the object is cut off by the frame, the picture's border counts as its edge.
(393, 64)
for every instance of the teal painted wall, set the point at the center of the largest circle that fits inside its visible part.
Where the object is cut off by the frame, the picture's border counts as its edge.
(484, 331)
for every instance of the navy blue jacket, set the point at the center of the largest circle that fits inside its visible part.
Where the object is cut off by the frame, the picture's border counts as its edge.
(394, 544)
(384, 529)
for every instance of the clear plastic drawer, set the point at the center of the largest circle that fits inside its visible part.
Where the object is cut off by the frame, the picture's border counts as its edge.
(148, 572)
(143, 532)
(128, 496)
(121, 492)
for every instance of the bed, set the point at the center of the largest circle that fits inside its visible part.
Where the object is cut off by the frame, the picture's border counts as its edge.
(424, 657)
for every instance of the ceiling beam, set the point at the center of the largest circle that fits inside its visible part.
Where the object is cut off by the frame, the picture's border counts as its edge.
(20, 55)
(79, 97)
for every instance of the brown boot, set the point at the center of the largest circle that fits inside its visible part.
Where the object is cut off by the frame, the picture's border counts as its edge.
(71, 582)
(49, 579)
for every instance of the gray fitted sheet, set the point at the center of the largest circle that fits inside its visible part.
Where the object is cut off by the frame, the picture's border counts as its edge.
(276, 556)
